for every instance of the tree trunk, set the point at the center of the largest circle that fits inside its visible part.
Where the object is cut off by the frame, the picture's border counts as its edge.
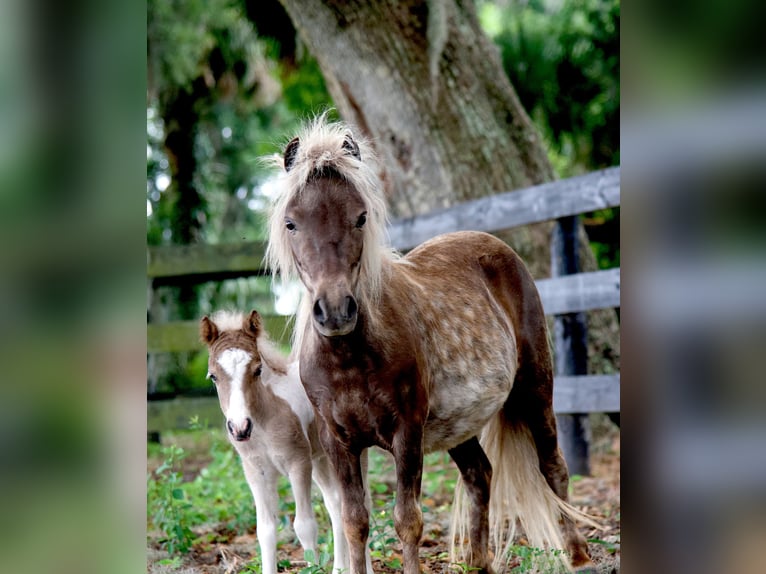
(422, 80)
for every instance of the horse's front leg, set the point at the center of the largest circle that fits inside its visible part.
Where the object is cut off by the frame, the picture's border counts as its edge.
(408, 518)
(354, 510)
(324, 476)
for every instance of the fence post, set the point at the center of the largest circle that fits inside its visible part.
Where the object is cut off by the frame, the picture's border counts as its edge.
(570, 347)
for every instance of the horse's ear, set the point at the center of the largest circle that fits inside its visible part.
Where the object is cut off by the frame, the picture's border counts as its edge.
(253, 323)
(351, 147)
(208, 332)
(291, 151)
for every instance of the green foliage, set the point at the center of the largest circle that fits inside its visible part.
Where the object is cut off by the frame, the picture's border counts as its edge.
(563, 61)
(168, 504)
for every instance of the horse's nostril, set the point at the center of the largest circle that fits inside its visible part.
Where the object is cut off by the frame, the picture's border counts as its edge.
(350, 307)
(320, 313)
(230, 427)
(248, 428)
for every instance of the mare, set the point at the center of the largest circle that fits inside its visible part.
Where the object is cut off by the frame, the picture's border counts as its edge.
(445, 348)
(271, 424)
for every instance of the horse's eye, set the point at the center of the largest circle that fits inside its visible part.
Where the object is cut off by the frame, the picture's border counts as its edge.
(212, 377)
(361, 221)
(258, 371)
(290, 225)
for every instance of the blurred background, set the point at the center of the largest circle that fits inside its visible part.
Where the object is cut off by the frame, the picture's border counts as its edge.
(84, 118)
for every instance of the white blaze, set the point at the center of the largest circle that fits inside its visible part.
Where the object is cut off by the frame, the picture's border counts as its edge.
(234, 362)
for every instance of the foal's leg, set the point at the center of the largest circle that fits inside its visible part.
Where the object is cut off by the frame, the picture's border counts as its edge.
(408, 518)
(476, 471)
(325, 478)
(305, 524)
(263, 484)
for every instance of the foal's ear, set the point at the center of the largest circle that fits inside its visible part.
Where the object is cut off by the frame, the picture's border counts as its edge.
(208, 332)
(253, 323)
(351, 147)
(291, 151)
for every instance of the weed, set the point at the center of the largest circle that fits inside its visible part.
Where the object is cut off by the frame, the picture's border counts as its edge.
(321, 566)
(382, 539)
(610, 547)
(463, 567)
(536, 560)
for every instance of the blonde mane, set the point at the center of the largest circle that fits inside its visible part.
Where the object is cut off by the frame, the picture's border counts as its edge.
(226, 320)
(321, 149)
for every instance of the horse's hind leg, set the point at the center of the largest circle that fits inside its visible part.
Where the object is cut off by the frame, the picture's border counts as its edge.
(539, 417)
(476, 471)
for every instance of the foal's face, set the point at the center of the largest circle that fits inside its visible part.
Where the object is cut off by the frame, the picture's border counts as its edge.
(235, 372)
(324, 225)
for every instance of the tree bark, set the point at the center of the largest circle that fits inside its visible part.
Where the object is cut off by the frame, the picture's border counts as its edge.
(425, 84)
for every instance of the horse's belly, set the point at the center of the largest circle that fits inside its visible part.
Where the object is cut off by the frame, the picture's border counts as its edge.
(459, 407)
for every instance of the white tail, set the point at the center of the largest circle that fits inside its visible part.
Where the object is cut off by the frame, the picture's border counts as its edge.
(519, 494)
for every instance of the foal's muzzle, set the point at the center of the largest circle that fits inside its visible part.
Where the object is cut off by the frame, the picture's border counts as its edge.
(240, 432)
(333, 320)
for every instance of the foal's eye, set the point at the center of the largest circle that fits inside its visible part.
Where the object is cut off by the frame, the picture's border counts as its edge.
(290, 225)
(361, 221)
(258, 371)
(212, 377)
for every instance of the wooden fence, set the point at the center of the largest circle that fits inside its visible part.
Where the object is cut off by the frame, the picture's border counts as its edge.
(564, 296)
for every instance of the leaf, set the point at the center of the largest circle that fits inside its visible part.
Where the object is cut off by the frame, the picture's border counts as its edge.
(178, 494)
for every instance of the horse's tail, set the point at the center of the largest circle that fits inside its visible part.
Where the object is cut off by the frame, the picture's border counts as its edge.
(519, 496)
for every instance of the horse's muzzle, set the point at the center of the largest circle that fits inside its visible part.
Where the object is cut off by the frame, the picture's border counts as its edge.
(240, 433)
(335, 320)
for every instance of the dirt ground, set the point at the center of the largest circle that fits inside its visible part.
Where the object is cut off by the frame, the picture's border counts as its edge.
(598, 495)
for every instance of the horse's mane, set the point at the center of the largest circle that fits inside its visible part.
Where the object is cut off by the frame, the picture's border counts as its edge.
(226, 320)
(321, 151)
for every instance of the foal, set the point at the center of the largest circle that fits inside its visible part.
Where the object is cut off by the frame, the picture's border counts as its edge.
(270, 422)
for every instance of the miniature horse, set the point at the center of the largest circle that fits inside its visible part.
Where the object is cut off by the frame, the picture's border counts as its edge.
(443, 349)
(271, 424)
